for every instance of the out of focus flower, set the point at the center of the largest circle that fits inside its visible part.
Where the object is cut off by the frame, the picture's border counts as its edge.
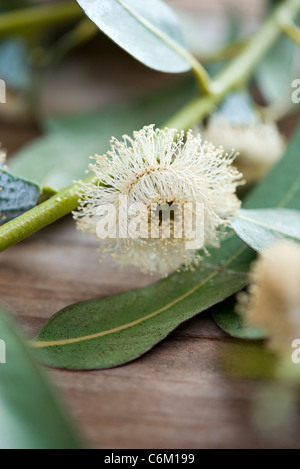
(236, 125)
(273, 301)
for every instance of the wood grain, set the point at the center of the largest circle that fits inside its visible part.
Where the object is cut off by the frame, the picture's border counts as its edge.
(174, 397)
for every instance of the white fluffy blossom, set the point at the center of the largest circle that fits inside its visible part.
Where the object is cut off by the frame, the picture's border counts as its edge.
(273, 300)
(259, 144)
(157, 168)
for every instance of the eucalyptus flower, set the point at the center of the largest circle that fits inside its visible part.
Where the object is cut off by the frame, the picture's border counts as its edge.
(273, 301)
(237, 125)
(154, 171)
(259, 145)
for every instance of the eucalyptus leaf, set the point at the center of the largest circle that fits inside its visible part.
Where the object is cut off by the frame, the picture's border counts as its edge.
(233, 324)
(7, 5)
(62, 154)
(16, 195)
(30, 416)
(15, 68)
(260, 228)
(107, 332)
(279, 68)
(46, 194)
(148, 30)
(238, 109)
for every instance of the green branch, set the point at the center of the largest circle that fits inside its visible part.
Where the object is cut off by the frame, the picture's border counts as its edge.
(235, 75)
(238, 72)
(62, 203)
(290, 29)
(38, 17)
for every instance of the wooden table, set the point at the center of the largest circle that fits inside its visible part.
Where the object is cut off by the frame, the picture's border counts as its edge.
(175, 396)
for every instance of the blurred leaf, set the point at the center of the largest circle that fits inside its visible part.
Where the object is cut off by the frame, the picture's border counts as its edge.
(233, 324)
(16, 196)
(260, 228)
(36, 16)
(235, 23)
(80, 34)
(277, 71)
(7, 5)
(237, 109)
(62, 155)
(30, 417)
(15, 69)
(148, 30)
(111, 331)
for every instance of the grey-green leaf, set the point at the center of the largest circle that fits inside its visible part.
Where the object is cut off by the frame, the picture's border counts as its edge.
(16, 195)
(233, 323)
(277, 71)
(30, 416)
(111, 331)
(147, 29)
(14, 64)
(260, 228)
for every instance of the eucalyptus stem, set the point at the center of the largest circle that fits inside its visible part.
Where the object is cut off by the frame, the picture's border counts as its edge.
(234, 76)
(62, 203)
(80, 34)
(224, 53)
(237, 73)
(202, 77)
(38, 17)
(290, 29)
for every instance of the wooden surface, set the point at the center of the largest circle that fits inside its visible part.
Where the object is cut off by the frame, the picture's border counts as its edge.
(175, 396)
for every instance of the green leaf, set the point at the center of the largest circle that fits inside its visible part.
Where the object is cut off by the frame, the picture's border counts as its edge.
(30, 416)
(14, 64)
(7, 5)
(148, 30)
(238, 109)
(233, 324)
(107, 332)
(260, 228)
(277, 71)
(16, 195)
(62, 155)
